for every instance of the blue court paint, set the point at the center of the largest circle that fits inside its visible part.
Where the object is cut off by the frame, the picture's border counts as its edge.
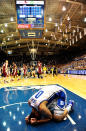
(12, 116)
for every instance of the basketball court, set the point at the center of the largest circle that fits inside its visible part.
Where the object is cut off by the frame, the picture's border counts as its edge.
(14, 105)
(36, 31)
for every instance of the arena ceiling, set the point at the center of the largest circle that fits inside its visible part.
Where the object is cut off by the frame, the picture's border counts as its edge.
(65, 27)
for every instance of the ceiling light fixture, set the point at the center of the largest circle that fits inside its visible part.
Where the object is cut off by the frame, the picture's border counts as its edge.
(85, 19)
(8, 38)
(63, 8)
(11, 19)
(11, 34)
(68, 18)
(74, 31)
(2, 31)
(2, 43)
(56, 24)
(46, 30)
(9, 53)
(6, 25)
(50, 19)
(44, 38)
(16, 41)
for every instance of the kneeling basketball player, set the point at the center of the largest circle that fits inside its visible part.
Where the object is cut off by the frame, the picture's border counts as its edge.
(49, 103)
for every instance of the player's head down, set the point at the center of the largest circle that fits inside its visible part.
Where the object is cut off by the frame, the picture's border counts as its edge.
(34, 114)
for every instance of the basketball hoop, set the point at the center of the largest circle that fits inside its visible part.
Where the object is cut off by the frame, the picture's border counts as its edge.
(33, 53)
(33, 50)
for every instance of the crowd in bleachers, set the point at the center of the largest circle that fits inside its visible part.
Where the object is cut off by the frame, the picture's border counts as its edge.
(77, 64)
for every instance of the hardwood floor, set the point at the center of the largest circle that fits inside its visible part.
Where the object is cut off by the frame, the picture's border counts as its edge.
(74, 83)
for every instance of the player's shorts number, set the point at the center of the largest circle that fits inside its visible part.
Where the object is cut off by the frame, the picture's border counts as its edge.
(39, 94)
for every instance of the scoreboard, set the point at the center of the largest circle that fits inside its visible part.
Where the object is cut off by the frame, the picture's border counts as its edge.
(30, 14)
(31, 33)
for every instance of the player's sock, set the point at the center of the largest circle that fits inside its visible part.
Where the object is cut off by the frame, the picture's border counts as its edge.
(70, 105)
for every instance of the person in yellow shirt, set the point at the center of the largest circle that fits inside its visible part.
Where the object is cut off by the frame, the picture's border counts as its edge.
(44, 70)
(52, 69)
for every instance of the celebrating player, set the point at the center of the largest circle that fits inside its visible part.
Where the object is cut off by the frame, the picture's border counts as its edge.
(5, 69)
(48, 103)
(39, 69)
(14, 70)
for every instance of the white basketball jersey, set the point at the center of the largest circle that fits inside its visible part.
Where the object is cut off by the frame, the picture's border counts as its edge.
(55, 109)
(47, 93)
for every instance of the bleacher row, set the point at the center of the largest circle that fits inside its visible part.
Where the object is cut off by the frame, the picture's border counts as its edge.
(78, 66)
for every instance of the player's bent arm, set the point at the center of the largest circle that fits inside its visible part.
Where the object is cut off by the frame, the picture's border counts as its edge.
(60, 118)
(29, 102)
(27, 119)
(43, 120)
(36, 122)
(44, 110)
